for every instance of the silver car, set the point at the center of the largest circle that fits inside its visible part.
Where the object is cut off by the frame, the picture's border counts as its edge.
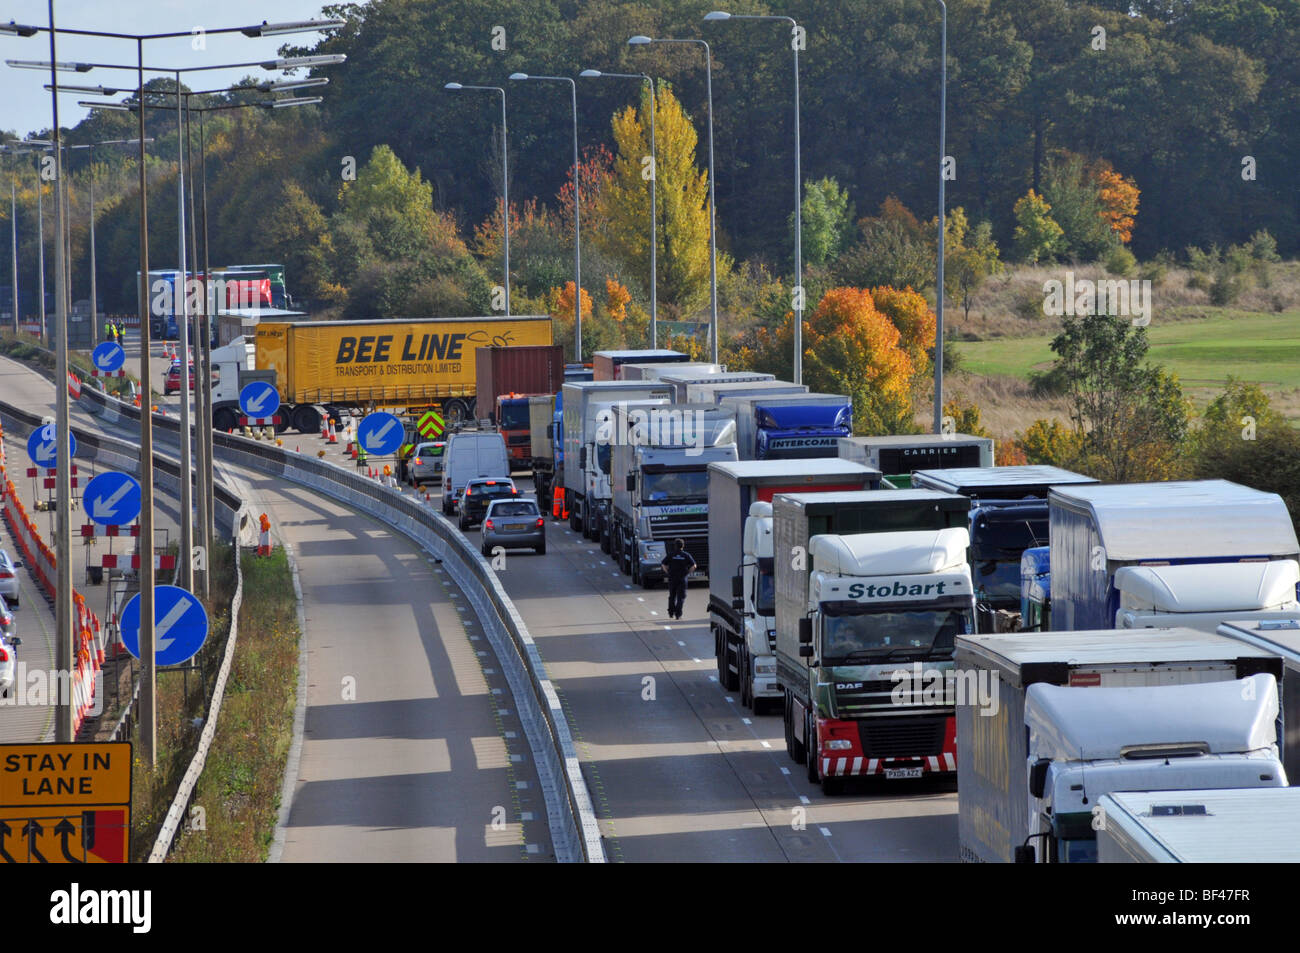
(6, 620)
(513, 524)
(9, 578)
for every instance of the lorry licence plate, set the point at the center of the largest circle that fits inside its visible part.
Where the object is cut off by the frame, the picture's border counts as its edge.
(892, 773)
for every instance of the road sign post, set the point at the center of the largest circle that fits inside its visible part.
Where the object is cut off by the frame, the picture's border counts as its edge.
(259, 401)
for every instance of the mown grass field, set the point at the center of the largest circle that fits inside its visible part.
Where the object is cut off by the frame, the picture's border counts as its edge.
(1203, 352)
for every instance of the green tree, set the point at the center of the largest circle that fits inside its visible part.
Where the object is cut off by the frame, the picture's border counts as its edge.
(1037, 235)
(1074, 196)
(970, 263)
(827, 220)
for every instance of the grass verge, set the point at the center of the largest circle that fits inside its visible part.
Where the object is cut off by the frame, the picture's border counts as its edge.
(239, 790)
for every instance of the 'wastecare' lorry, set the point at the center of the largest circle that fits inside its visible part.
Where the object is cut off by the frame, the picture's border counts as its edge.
(608, 365)
(660, 482)
(842, 717)
(586, 466)
(742, 600)
(1009, 514)
(339, 366)
(790, 426)
(1174, 714)
(1097, 530)
(1214, 826)
(896, 456)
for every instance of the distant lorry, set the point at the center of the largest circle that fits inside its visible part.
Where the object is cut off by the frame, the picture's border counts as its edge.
(333, 367)
(1097, 530)
(1036, 589)
(1157, 708)
(1214, 826)
(712, 391)
(1009, 514)
(586, 466)
(742, 600)
(518, 370)
(659, 370)
(660, 481)
(608, 365)
(868, 583)
(1280, 637)
(790, 426)
(682, 379)
(896, 456)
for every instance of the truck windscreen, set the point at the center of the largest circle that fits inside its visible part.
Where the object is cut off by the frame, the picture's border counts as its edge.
(514, 415)
(765, 598)
(678, 486)
(879, 634)
(998, 581)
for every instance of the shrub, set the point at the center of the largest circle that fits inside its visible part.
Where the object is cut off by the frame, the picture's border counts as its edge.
(1120, 261)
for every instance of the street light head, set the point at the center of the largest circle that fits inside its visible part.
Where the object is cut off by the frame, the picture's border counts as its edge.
(295, 62)
(116, 107)
(272, 86)
(639, 40)
(301, 26)
(295, 101)
(18, 29)
(716, 15)
(63, 67)
(97, 90)
(590, 73)
(518, 75)
(453, 86)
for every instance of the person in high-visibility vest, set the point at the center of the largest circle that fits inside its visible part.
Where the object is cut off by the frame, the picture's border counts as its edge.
(110, 333)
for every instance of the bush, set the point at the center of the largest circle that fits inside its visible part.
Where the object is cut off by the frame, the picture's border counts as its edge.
(1200, 281)
(1120, 261)
(1154, 271)
(1226, 288)
(1049, 383)
(1029, 304)
(1263, 247)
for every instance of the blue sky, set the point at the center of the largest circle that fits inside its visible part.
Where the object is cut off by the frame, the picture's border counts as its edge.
(25, 104)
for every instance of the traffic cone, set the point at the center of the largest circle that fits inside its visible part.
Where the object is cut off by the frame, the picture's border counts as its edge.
(325, 429)
(334, 438)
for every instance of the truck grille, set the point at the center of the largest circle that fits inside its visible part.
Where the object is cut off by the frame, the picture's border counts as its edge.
(902, 737)
(519, 439)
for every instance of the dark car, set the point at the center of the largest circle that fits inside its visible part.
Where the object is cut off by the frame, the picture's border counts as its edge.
(478, 494)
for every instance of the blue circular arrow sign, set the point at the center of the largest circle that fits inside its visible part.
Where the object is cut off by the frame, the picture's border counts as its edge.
(259, 399)
(42, 446)
(112, 499)
(380, 433)
(179, 629)
(108, 356)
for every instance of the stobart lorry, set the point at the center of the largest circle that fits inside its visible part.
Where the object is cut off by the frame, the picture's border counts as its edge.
(659, 478)
(333, 367)
(742, 597)
(867, 585)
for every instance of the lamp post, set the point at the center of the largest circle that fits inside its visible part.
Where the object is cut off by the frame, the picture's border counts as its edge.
(63, 613)
(798, 302)
(938, 323)
(505, 182)
(577, 214)
(654, 175)
(640, 40)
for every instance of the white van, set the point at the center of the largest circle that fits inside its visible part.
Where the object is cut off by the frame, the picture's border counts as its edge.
(469, 456)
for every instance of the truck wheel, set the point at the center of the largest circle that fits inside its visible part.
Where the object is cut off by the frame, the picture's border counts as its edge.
(793, 745)
(455, 412)
(810, 733)
(636, 571)
(306, 419)
(606, 538)
(574, 523)
(224, 420)
(746, 679)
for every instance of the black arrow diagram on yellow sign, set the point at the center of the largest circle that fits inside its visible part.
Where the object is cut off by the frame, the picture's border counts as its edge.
(63, 829)
(5, 831)
(33, 830)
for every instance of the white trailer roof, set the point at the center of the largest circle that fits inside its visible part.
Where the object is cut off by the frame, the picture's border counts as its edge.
(1266, 633)
(974, 477)
(919, 440)
(1108, 647)
(1093, 724)
(1240, 825)
(1210, 587)
(900, 554)
(793, 470)
(1191, 518)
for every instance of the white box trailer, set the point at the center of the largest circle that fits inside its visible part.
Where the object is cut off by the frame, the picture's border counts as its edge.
(658, 371)
(1096, 530)
(897, 455)
(993, 747)
(1215, 826)
(682, 380)
(1281, 637)
(711, 392)
(1202, 595)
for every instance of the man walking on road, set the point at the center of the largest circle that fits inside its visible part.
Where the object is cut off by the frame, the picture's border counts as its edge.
(677, 566)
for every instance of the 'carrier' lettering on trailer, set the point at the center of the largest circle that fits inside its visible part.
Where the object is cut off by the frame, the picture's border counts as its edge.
(370, 349)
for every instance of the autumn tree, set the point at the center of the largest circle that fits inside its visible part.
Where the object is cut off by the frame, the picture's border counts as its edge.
(895, 249)
(681, 197)
(559, 305)
(1119, 200)
(915, 320)
(1037, 235)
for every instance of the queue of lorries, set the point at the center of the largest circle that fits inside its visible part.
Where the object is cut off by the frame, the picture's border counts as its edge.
(913, 610)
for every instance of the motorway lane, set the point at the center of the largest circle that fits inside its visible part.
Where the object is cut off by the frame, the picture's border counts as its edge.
(678, 769)
(412, 750)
